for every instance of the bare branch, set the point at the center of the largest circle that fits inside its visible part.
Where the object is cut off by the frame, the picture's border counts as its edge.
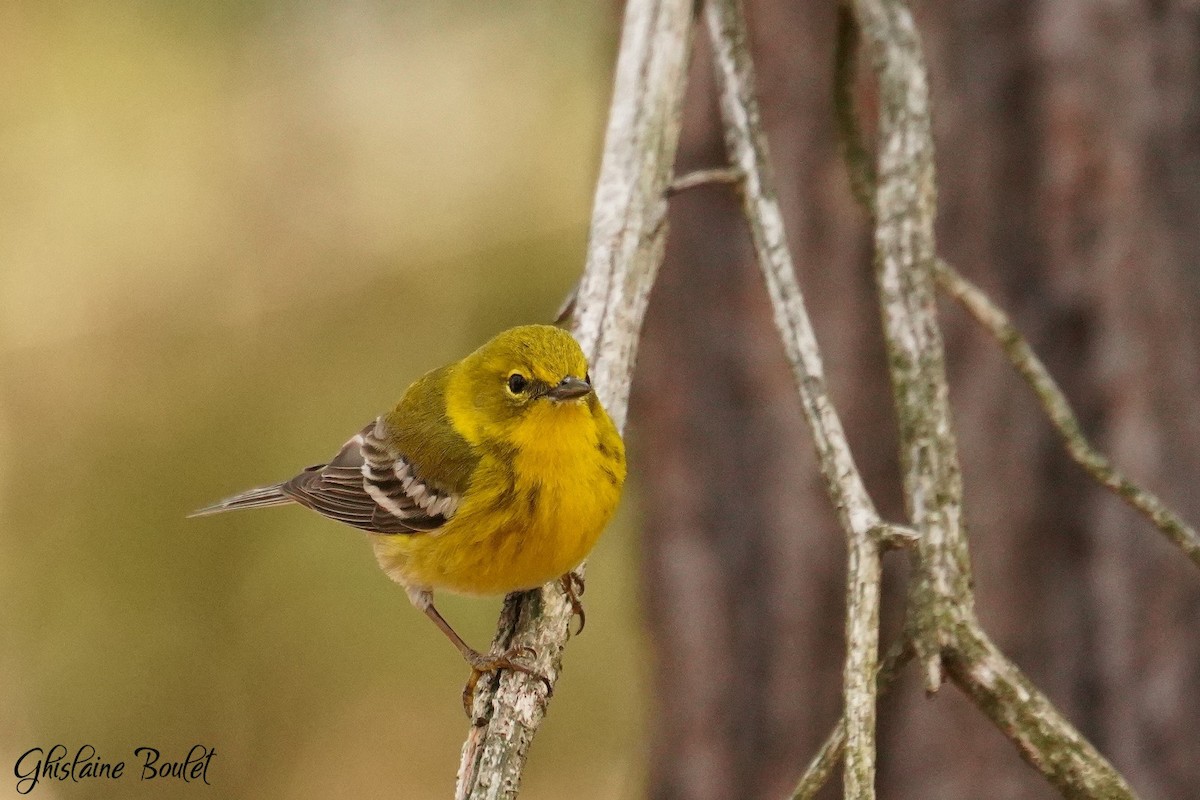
(905, 204)
(625, 249)
(1030, 367)
(629, 216)
(747, 149)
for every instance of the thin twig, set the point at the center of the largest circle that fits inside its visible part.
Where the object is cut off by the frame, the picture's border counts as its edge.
(625, 249)
(1052, 399)
(747, 148)
(703, 176)
(896, 537)
(566, 309)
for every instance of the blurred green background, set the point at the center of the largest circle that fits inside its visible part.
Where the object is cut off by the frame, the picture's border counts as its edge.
(230, 234)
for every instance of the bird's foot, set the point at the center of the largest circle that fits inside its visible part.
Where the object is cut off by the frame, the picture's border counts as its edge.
(572, 585)
(484, 663)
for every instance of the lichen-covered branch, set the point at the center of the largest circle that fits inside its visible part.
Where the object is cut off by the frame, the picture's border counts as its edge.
(625, 249)
(747, 148)
(1018, 350)
(905, 202)
(942, 600)
(1031, 368)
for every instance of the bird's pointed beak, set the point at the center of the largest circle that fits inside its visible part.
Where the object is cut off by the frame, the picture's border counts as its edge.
(570, 388)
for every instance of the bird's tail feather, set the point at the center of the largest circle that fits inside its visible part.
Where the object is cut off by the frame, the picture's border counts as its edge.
(260, 497)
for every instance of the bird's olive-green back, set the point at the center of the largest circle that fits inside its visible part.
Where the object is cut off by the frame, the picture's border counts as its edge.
(422, 433)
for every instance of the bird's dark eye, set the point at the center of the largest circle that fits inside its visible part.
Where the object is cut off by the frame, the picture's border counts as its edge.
(517, 383)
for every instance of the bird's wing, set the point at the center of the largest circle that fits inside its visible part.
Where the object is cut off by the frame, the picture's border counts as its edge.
(371, 486)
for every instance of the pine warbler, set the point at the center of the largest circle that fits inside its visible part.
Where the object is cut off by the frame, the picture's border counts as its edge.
(494, 474)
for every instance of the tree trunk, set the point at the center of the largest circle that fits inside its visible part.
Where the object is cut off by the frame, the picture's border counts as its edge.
(1068, 154)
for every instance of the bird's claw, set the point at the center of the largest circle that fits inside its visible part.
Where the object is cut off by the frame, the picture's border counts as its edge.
(572, 585)
(483, 664)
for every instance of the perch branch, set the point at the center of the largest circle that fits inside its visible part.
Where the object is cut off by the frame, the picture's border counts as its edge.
(1025, 361)
(625, 249)
(747, 149)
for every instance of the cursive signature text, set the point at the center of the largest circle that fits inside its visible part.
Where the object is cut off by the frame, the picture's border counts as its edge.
(54, 764)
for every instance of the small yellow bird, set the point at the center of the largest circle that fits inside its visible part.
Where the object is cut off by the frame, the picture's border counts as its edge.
(494, 474)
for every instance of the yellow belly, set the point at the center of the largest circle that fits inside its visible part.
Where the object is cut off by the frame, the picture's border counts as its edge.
(518, 527)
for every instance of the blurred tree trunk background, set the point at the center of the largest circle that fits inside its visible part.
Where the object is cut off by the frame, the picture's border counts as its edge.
(1068, 135)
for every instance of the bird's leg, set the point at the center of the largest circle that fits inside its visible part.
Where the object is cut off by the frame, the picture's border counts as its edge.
(572, 584)
(480, 663)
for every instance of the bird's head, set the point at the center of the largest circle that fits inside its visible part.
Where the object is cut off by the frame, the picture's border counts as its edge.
(533, 372)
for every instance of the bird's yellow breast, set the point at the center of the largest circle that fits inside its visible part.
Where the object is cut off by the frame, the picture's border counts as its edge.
(534, 509)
